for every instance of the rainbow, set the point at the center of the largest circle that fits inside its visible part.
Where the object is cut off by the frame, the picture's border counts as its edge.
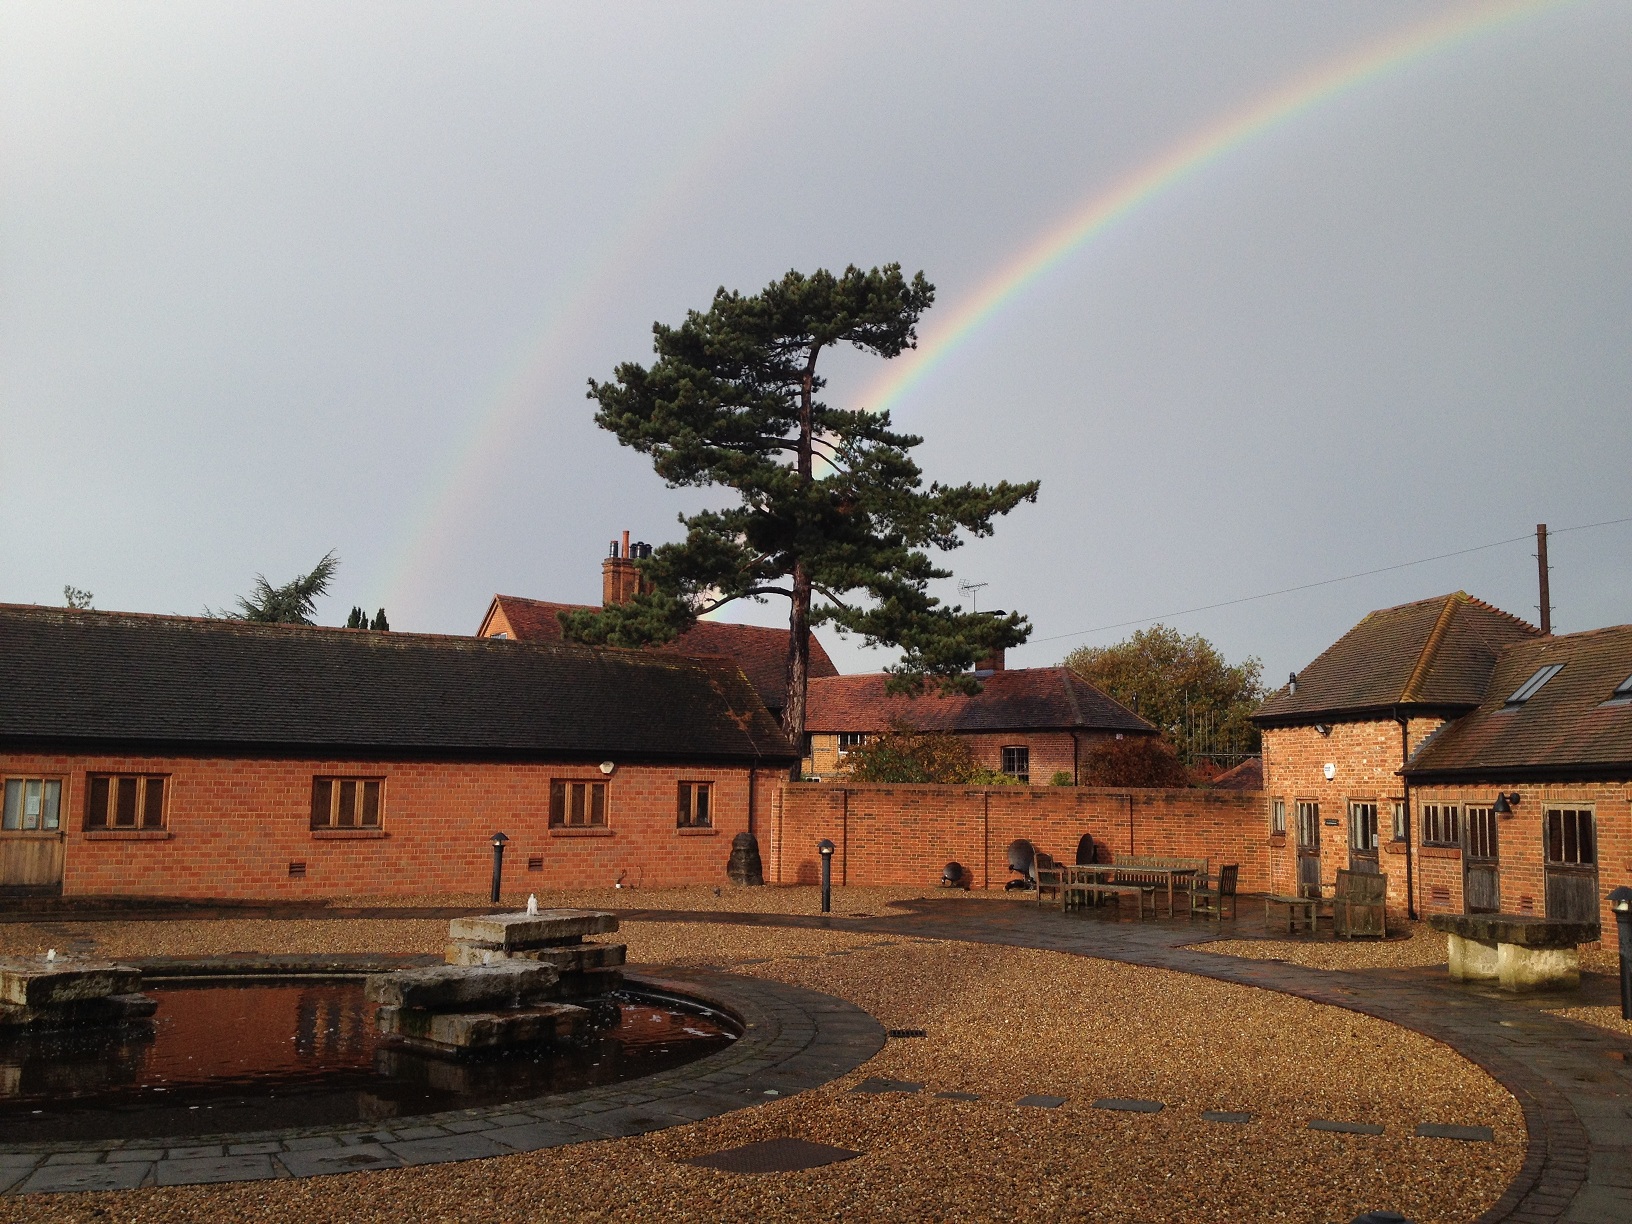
(1182, 161)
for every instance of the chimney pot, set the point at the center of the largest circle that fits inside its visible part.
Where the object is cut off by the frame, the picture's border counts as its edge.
(625, 544)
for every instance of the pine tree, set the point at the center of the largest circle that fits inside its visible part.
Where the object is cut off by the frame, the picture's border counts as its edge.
(380, 623)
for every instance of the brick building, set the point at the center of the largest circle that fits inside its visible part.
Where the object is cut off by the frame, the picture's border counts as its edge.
(760, 651)
(1388, 753)
(169, 756)
(1030, 723)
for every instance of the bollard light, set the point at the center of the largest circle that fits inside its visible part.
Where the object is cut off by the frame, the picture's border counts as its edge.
(1620, 900)
(498, 864)
(825, 849)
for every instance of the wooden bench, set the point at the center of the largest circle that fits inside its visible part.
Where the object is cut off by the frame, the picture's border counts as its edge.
(1152, 871)
(1518, 951)
(1360, 904)
(1301, 910)
(1091, 890)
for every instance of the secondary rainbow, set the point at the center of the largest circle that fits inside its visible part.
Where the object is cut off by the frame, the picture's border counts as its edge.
(1190, 156)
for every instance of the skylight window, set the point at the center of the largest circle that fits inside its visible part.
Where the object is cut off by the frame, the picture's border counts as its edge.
(1622, 694)
(1533, 685)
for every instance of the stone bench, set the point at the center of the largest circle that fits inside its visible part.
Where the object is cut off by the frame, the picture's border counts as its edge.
(1518, 952)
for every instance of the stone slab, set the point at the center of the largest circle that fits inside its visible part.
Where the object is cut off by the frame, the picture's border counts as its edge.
(39, 983)
(445, 1148)
(1129, 1105)
(565, 958)
(534, 1136)
(1527, 930)
(71, 1179)
(1038, 1100)
(315, 1162)
(1345, 1128)
(1472, 1134)
(545, 1022)
(447, 988)
(957, 1096)
(513, 931)
(207, 1170)
(1225, 1115)
(880, 1084)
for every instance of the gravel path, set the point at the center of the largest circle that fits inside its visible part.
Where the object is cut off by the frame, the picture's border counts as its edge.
(1001, 1022)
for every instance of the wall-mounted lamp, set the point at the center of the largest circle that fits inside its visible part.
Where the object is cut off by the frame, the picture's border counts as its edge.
(607, 767)
(1505, 804)
(1324, 728)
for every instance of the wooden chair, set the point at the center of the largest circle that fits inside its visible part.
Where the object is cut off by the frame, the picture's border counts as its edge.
(1210, 901)
(1050, 878)
(1359, 904)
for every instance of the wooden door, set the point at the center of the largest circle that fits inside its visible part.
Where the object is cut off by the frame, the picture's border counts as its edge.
(31, 835)
(1363, 838)
(1572, 864)
(1308, 845)
(1481, 863)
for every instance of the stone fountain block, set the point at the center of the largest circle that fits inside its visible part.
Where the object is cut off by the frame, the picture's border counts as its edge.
(37, 983)
(459, 987)
(512, 932)
(484, 1030)
(568, 958)
(80, 1013)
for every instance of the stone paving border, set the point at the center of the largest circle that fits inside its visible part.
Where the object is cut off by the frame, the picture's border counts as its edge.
(792, 1039)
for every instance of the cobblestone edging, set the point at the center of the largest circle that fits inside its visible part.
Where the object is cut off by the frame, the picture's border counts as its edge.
(792, 1039)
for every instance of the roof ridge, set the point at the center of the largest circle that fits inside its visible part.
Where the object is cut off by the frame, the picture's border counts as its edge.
(1430, 648)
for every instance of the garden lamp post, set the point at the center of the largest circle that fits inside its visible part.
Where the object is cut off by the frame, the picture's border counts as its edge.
(1620, 900)
(825, 849)
(498, 863)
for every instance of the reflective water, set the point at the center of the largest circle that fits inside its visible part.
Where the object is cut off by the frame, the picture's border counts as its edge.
(233, 1057)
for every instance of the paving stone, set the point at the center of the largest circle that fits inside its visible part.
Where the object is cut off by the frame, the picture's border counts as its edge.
(1345, 1128)
(464, 1126)
(204, 1170)
(67, 1158)
(1611, 1167)
(68, 1179)
(336, 1159)
(1434, 1130)
(203, 1149)
(536, 1135)
(311, 1143)
(420, 1132)
(1129, 1105)
(880, 1084)
(253, 1149)
(446, 1147)
(1598, 1205)
(774, 1156)
(1224, 1115)
(635, 1120)
(120, 1155)
(1041, 1101)
(958, 1096)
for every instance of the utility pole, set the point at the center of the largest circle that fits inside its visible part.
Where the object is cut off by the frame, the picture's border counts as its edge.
(1541, 569)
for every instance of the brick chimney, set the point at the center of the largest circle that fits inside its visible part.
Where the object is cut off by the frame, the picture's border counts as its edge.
(620, 580)
(992, 662)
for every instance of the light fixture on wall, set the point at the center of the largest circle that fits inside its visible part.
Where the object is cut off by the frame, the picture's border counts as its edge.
(607, 767)
(1324, 728)
(1505, 804)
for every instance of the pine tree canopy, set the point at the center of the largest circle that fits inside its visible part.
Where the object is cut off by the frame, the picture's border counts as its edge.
(831, 513)
(292, 603)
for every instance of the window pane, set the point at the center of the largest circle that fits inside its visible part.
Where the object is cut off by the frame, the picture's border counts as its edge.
(683, 814)
(153, 809)
(31, 803)
(1570, 854)
(577, 803)
(96, 804)
(51, 817)
(558, 803)
(597, 804)
(371, 804)
(125, 810)
(13, 818)
(1585, 839)
(346, 809)
(1555, 837)
(701, 813)
(322, 798)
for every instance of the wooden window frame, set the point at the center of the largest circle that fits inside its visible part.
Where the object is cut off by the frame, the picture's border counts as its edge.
(1399, 826)
(104, 809)
(578, 803)
(329, 793)
(44, 813)
(1277, 817)
(1568, 841)
(1023, 775)
(1442, 824)
(1366, 830)
(1308, 809)
(687, 815)
(1472, 826)
(852, 739)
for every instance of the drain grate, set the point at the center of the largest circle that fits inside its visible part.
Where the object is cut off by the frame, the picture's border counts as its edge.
(774, 1156)
(908, 1033)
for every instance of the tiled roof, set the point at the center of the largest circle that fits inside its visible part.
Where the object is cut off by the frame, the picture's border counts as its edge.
(1247, 776)
(127, 678)
(1565, 727)
(1432, 654)
(1026, 699)
(761, 652)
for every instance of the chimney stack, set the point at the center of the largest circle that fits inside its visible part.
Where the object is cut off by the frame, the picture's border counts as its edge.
(620, 580)
(992, 662)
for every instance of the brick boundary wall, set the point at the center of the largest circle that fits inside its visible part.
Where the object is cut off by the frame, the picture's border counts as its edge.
(903, 836)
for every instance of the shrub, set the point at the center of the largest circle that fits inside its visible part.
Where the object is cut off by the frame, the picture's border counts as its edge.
(1144, 760)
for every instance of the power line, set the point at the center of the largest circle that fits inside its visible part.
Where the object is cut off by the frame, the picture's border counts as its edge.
(1309, 586)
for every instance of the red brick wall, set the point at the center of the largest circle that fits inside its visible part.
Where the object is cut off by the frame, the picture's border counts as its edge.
(905, 835)
(234, 826)
(1051, 752)
(1520, 844)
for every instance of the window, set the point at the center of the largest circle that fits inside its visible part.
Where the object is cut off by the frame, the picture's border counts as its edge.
(346, 803)
(696, 808)
(1017, 763)
(1622, 694)
(32, 805)
(114, 801)
(1570, 840)
(1481, 833)
(1440, 825)
(577, 805)
(1533, 685)
(1308, 823)
(851, 739)
(1399, 820)
(1277, 818)
(1363, 827)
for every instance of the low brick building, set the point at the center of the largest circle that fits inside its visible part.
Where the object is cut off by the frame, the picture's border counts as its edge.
(760, 651)
(1030, 723)
(170, 756)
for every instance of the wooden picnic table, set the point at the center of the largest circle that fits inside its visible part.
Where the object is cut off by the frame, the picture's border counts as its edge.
(1159, 875)
(1090, 880)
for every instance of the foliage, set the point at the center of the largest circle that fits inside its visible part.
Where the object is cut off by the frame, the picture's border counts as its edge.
(905, 754)
(380, 623)
(1061, 778)
(831, 511)
(74, 597)
(292, 603)
(1183, 685)
(358, 619)
(1134, 760)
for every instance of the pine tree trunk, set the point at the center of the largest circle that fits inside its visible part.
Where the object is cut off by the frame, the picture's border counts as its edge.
(793, 712)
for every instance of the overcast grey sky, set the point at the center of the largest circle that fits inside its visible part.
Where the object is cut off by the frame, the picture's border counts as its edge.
(280, 278)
